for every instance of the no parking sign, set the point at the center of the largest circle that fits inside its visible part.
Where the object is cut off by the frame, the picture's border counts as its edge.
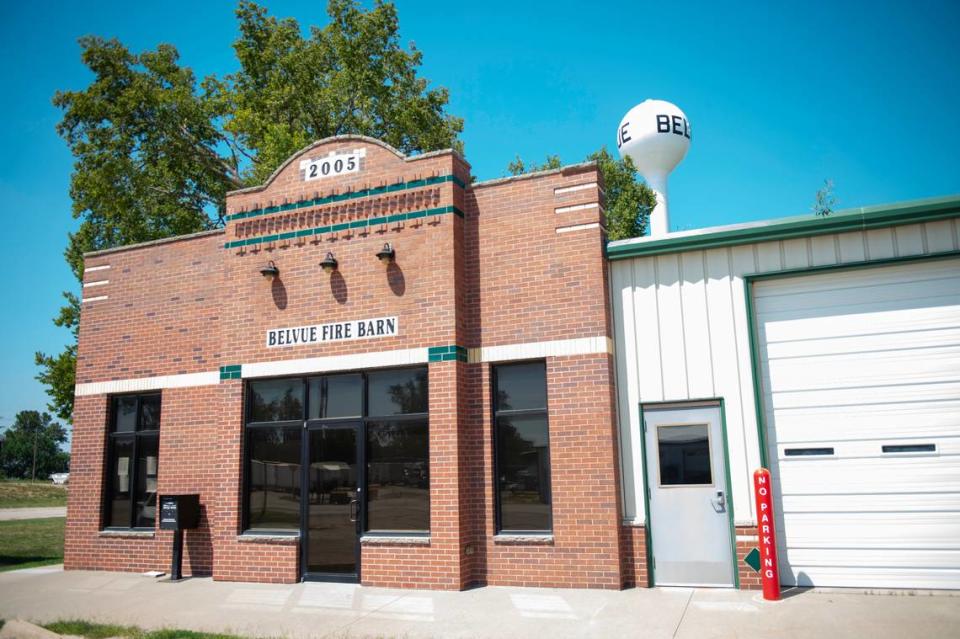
(769, 575)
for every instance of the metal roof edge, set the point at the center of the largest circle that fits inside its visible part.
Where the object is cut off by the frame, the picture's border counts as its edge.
(860, 218)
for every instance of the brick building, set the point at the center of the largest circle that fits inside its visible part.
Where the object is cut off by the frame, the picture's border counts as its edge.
(378, 371)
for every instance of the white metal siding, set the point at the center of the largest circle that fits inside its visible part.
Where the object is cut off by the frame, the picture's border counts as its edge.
(851, 361)
(680, 329)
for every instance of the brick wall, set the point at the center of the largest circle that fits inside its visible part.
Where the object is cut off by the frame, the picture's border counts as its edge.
(506, 262)
(749, 579)
(633, 554)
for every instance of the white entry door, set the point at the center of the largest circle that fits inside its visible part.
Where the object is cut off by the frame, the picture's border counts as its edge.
(686, 478)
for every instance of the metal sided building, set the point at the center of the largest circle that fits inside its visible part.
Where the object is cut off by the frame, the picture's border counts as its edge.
(382, 372)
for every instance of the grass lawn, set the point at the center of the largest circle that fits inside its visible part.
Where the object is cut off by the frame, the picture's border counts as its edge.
(28, 494)
(26, 543)
(103, 631)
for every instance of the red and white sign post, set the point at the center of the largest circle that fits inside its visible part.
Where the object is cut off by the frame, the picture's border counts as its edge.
(769, 574)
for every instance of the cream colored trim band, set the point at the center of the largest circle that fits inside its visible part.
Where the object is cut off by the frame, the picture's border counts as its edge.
(577, 207)
(335, 363)
(148, 383)
(94, 299)
(533, 350)
(579, 227)
(571, 189)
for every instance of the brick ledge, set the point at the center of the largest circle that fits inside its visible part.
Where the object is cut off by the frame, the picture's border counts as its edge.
(139, 534)
(525, 540)
(395, 540)
(257, 538)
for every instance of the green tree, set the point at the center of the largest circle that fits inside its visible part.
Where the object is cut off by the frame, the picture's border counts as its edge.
(351, 76)
(628, 202)
(824, 201)
(31, 447)
(155, 151)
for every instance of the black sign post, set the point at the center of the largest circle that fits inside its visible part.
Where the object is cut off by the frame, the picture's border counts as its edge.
(178, 513)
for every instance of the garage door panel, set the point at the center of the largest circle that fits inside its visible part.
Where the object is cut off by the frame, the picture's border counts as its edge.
(832, 557)
(824, 325)
(854, 530)
(888, 421)
(866, 396)
(874, 577)
(857, 279)
(882, 297)
(861, 282)
(883, 368)
(850, 362)
(875, 502)
(866, 476)
(902, 340)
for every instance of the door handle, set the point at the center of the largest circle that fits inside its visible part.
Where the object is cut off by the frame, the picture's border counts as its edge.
(719, 502)
(354, 509)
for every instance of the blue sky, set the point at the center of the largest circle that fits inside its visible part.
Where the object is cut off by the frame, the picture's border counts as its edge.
(779, 97)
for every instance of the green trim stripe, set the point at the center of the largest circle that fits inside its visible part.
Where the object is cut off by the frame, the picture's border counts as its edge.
(230, 372)
(447, 353)
(861, 219)
(318, 201)
(320, 230)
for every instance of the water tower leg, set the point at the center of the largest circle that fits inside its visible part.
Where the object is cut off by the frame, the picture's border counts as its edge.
(659, 216)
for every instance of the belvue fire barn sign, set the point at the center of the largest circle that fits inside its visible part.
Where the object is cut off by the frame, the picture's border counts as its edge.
(386, 372)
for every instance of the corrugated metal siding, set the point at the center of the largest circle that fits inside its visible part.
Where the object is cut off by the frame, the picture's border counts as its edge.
(680, 331)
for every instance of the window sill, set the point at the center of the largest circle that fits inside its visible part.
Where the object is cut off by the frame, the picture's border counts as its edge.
(132, 533)
(523, 540)
(269, 538)
(395, 540)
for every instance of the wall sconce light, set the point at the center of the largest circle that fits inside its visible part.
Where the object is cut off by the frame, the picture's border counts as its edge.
(329, 263)
(270, 271)
(386, 254)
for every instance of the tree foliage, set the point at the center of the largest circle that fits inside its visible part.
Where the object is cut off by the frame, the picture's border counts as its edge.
(824, 201)
(350, 76)
(155, 151)
(628, 202)
(31, 447)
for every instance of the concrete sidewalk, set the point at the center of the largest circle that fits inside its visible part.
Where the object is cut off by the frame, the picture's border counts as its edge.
(9, 514)
(341, 610)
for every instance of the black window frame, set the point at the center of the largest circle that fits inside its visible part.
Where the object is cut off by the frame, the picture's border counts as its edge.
(137, 435)
(496, 413)
(362, 420)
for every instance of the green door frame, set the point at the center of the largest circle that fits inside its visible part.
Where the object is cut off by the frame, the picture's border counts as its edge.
(647, 527)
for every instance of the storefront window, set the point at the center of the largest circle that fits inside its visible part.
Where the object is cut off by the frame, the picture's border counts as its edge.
(398, 476)
(273, 477)
(389, 409)
(522, 448)
(133, 456)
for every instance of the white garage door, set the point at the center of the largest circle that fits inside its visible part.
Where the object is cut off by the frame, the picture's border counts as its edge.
(861, 391)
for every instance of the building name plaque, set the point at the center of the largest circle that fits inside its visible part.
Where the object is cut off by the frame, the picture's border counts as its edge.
(333, 332)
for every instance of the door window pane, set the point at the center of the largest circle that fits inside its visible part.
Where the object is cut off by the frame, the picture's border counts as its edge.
(523, 469)
(397, 392)
(336, 396)
(149, 412)
(521, 386)
(121, 469)
(125, 414)
(684, 455)
(398, 476)
(276, 400)
(145, 500)
(273, 471)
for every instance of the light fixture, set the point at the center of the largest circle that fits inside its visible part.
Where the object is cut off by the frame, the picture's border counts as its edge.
(329, 263)
(386, 254)
(270, 271)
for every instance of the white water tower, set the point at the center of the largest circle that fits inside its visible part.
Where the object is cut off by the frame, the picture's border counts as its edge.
(655, 134)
